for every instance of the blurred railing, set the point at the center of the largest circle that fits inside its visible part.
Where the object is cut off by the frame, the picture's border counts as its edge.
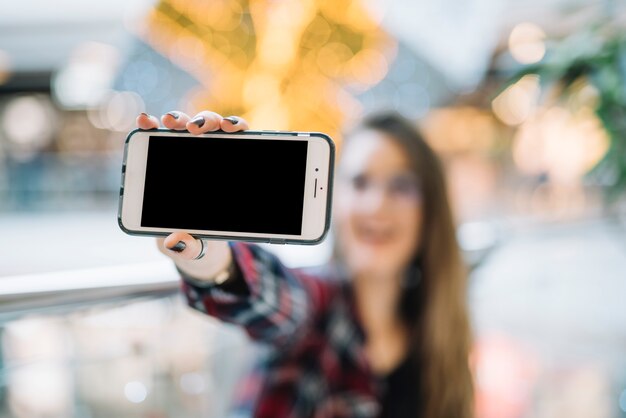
(112, 341)
(549, 289)
(64, 291)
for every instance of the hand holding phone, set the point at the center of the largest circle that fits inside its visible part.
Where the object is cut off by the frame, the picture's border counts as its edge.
(182, 247)
(264, 186)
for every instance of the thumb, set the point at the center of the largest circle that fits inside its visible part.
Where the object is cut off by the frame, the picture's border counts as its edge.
(181, 246)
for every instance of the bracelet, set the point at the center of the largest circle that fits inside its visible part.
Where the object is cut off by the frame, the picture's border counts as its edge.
(217, 279)
(225, 274)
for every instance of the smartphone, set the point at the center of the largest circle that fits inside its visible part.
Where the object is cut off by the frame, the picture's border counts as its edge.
(261, 186)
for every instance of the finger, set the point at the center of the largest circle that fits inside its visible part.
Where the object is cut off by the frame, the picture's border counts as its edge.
(233, 124)
(181, 246)
(204, 121)
(175, 120)
(146, 121)
(160, 242)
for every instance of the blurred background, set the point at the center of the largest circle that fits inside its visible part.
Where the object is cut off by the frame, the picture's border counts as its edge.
(524, 100)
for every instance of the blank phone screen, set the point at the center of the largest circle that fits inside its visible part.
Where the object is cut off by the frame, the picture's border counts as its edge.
(225, 184)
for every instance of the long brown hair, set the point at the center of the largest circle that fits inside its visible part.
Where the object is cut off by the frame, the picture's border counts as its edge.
(435, 309)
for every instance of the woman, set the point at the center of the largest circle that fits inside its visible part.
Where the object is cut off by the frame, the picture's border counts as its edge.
(383, 329)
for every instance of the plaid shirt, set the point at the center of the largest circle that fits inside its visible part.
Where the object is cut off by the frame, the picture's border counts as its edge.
(316, 365)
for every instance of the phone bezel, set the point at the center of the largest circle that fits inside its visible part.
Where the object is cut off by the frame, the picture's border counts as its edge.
(315, 227)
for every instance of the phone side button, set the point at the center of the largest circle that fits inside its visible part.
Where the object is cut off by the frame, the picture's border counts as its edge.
(277, 241)
(277, 132)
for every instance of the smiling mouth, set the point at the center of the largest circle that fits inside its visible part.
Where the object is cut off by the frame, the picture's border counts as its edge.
(375, 236)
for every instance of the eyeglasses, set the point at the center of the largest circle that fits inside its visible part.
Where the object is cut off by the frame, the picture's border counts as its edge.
(401, 188)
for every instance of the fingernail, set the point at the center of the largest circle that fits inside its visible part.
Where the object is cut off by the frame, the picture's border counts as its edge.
(179, 247)
(198, 121)
(145, 114)
(175, 115)
(232, 120)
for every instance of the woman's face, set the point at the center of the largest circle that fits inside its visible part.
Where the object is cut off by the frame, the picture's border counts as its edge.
(377, 205)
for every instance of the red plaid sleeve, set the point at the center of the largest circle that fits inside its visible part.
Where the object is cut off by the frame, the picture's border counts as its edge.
(280, 304)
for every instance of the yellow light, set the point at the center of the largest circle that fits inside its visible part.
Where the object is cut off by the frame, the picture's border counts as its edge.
(459, 129)
(516, 103)
(561, 144)
(260, 88)
(362, 19)
(279, 63)
(269, 115)
(317, 34)
(526, 43)
(276, 49)
(369, 66)
(332, 58)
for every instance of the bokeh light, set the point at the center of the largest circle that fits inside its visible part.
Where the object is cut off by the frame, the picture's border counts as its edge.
(267, 76)
(517, 102)
(135, 391)
(87, 76)
(560, 144)
(27, 139)
(526, 43)
(116, 111)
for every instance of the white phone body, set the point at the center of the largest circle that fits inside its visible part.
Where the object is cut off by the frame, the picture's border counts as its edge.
(146, 189)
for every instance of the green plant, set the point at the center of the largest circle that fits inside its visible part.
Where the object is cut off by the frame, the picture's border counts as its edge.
(596, 57)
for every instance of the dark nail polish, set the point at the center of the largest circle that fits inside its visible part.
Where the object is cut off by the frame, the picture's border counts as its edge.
(232, 120)
(175, 115)
(199, 121)
(179, 247)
